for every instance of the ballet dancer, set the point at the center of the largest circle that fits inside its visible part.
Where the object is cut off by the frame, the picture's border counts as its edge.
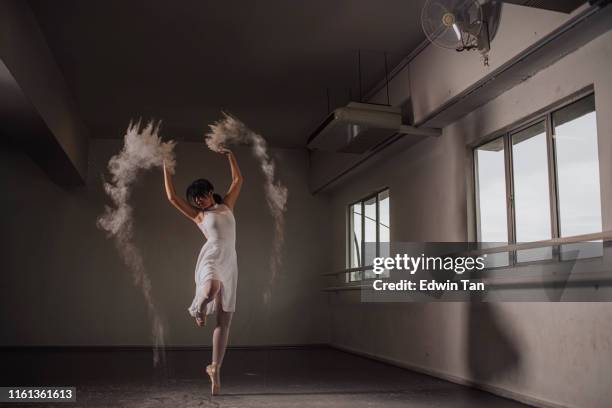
(216, 272)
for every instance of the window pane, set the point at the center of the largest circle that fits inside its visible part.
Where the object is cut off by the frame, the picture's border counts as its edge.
(370, 233)
(355, 238)
(371, 217)
(577, 168)
(384, 231)
(491, 192)
(531, 192)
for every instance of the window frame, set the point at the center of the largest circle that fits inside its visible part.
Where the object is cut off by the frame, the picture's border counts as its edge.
(349, 236)
(546, 116)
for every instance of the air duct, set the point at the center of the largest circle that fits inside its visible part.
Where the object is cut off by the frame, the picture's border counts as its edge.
(361, 127)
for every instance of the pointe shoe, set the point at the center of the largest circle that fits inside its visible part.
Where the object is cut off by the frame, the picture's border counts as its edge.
(212, 371)
(200, 319)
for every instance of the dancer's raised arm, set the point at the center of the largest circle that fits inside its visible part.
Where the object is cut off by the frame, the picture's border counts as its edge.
(177, 201)
(234, 190)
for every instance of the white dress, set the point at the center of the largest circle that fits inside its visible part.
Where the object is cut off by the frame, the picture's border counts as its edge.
(217, 259)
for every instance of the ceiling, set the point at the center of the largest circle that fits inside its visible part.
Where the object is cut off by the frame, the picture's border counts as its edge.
(267, 62)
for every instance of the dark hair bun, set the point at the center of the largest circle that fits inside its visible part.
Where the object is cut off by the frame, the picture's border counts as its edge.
(217, 198)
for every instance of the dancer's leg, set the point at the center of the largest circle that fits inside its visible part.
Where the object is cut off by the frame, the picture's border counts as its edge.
(220, 337)
(210, 290)
(221, 334)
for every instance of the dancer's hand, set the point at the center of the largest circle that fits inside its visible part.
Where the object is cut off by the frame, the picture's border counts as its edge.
(225, 151)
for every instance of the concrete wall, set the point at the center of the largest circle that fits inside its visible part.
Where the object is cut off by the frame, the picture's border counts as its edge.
(64, 284)
(548, 354)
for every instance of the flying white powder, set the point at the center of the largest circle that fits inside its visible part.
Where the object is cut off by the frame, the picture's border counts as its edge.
(230, 130)
(143, 149)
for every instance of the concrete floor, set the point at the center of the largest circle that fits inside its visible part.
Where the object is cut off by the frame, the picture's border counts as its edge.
(316, 377)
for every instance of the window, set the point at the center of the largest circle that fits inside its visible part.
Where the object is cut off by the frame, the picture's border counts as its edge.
(531, 190)
(577, 170)
(492, 219)
(540, 180)
(368, 233)
(491, 191)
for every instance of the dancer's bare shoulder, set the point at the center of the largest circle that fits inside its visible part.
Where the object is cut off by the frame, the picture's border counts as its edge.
(228, 205)
(199, 218)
